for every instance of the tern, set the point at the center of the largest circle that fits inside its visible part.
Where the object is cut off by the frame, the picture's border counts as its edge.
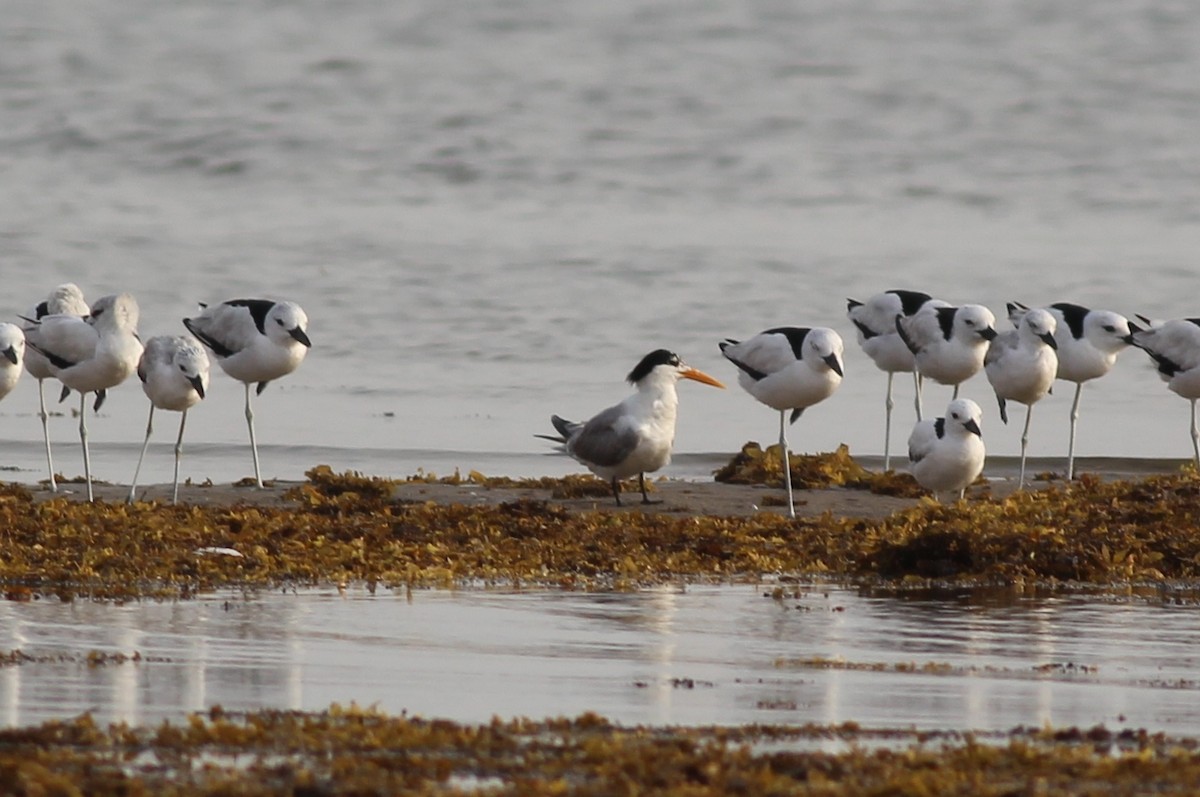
(788, 368)
(174, 374)
(875, 322)
(948, 343)
(635, 436)
(66, 299)
(1088, 344)
(1021, 365)
(1175, 348)
(90, 355)
(947, 453)
(254, 340)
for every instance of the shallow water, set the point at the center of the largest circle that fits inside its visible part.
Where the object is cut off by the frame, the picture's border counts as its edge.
(492, 211)
(700, 655)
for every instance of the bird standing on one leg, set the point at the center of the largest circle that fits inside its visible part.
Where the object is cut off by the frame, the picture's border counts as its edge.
(66, 299)
(1021, 365)
(92, 355)
(947, 453)
(174, 374)
(1088, 344)
(875, 322)
(254, 340)
(788, 368)
(1174, 346)
(635, 437)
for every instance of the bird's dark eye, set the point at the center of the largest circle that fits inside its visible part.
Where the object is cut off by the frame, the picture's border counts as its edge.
(1109, 328)
(279, 321)
(969, 322)
(181, 368)
(954, 415)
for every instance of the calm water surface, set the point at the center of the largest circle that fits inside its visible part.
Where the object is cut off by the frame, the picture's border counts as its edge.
(704, 655)
(491, 211)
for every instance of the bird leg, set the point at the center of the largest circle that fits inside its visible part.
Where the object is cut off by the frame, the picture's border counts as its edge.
(616, 488)
(145, 445)
(253, 444)
(178, 456)
(952, 398)
(83, 438)
(787, 466)
(1195, 436)
(1071, 442)
(45, 416)
(887, 425)
(1025, 442)
(917, 382)
(642, 484)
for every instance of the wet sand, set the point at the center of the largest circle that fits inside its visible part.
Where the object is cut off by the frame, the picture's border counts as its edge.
(680, 498)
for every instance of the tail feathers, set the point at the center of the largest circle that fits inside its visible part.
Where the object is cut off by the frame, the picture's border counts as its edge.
(562, 426)
(725, 344)
(1003, 409)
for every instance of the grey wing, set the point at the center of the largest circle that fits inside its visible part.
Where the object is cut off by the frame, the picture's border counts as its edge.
(64, 338)
(922, 440)
(1000, 346)
(920, 330)
(604, 440)
(1177, 341)
(764, 353)
(225, 328)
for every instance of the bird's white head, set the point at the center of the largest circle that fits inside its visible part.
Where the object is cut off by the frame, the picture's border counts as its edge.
(823, 348)
(12, 345)
(192, 361)
(964, 416)
(115, 311)
(662, 364)
(973, 322)
(286, 323)
(66, 299)
(1109, 332)
(1039, 325)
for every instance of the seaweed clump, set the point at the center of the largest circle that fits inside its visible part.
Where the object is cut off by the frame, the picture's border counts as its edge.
(354, 751)
(753, 465)
(344, 528)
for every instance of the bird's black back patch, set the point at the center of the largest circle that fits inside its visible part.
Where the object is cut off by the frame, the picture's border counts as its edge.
(1073, 314)
(650, 362)
(911, 301)
(945, 317)
(258, 310)
(939, 426)
(795, 337)
(42, 310)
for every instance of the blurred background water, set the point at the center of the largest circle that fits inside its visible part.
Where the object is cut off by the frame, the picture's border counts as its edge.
(491, 211)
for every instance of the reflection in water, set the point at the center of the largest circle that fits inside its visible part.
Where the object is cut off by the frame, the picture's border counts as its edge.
(726, 655)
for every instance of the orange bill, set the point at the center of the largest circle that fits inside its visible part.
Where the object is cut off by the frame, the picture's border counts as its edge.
(700, 376)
